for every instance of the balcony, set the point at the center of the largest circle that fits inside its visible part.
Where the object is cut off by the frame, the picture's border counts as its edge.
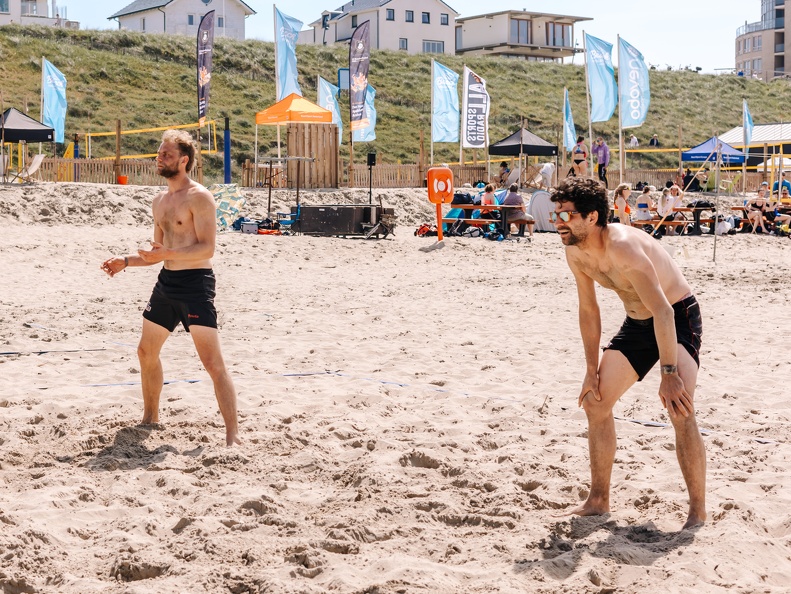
(760, 26)
(780, 48)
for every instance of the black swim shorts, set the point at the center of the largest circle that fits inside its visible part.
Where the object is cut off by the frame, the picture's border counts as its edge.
(637, 341)
(185, 296)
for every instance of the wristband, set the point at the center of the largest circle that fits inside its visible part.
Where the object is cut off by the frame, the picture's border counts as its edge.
(669, 369)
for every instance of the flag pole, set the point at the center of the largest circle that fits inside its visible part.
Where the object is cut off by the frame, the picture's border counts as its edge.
(41, 110)
(588, 97)
(277, 72)
(563, 128)
(745, 149)
(621, 155)
(431, 119)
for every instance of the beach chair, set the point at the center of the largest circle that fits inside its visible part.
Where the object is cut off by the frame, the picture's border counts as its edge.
(730, 185)
(513, 177)
(287, 220)
(26, 175)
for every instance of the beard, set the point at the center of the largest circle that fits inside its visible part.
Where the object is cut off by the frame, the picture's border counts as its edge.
(168, 172)
(571, 239)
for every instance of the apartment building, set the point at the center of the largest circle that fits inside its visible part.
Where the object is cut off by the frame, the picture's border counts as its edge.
(518, 34)
(760, 47)
(425, 26)
(34, 12)
(182, 17)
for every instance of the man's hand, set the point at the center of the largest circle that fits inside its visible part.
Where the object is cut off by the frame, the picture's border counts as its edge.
(113, 266)
(674, 396)
(157, 253)
(590, 385)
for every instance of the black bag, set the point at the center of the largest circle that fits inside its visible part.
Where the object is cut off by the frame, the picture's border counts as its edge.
(461, 198)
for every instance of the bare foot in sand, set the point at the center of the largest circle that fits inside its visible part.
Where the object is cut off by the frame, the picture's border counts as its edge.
(694, 520)
(589, 508)
(232, 439)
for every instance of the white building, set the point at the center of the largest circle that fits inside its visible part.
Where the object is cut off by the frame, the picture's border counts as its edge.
(518, 33)
(34, 12)
(182, 17)
(424, 26)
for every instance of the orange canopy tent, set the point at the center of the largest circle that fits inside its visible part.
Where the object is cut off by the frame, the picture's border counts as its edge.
(293, 109)
(290, 109)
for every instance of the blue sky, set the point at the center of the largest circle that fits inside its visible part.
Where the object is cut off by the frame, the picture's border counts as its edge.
(675, 33)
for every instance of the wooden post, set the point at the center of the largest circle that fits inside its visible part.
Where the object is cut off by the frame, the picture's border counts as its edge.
(117, 168)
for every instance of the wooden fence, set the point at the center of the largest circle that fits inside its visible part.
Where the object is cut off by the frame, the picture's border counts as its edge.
(659, 177)
(138, 172)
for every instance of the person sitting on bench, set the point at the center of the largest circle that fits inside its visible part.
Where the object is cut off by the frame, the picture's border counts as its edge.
(517, 216)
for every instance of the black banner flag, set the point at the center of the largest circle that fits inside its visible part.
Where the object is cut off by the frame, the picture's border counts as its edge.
(359, 54)
(205, 46)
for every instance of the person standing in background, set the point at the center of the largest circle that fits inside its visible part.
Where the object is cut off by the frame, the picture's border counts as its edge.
(602, 153)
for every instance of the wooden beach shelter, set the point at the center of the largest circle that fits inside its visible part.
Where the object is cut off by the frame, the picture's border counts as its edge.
(294, 110)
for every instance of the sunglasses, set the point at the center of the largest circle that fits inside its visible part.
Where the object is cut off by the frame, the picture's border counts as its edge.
(563, 215)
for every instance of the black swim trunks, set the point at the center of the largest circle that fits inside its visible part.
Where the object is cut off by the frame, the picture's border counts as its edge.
(185, 296)
(637, 341)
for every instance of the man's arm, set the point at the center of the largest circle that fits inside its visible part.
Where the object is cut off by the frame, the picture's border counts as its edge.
(113, 266)
(590, 329)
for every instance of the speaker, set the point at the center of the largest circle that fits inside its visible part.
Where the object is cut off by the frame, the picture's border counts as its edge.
(371, 159)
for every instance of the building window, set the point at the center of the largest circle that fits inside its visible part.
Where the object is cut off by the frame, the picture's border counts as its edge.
(559, 35)
(4, 6)
(757, 65)
(520, 31)
(747, 45)
(221, 22)
(27, 7)
(433, 47)
(190, 19)
(402, 44)
(409, 16)
(458, 38)
(390, 14)
(143, 24)
(426, 18)
(354, 21)
(443, 19)
(758, 43)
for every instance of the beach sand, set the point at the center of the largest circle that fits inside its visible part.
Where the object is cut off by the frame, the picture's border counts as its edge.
(409, 419)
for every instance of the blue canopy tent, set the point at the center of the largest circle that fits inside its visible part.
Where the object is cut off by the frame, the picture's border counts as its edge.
(719, 152)
(707, 151)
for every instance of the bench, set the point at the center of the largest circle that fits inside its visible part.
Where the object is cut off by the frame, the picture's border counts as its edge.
(505, 229)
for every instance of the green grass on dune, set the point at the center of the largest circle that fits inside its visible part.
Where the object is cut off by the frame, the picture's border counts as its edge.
(149, 80)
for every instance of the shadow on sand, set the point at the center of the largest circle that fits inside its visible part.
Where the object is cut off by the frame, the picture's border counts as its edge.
(569, 540)
(127, 451)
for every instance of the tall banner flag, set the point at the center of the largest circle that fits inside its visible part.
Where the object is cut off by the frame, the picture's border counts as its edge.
(601, 78)
(286, 32)
(475, 121)
(53, 99)
(205, 47)
(635, 92)
(368, 134)
(747, 124)
(328, 99)
(569, 132)
(445, 106)
(359, 60)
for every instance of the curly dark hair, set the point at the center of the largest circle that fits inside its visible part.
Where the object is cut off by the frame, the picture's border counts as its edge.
(586, 194)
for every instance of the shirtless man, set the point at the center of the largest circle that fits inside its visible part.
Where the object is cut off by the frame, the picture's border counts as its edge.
(663, 324)
(185, 228)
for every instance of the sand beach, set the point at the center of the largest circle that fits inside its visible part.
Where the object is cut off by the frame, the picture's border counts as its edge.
(409, 419)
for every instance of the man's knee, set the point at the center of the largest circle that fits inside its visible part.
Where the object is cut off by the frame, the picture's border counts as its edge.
(146, 353)
(596, 410)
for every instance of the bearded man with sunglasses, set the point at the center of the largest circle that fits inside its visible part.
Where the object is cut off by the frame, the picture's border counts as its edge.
(663, 323)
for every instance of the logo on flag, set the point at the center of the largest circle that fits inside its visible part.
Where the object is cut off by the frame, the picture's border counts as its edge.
(475, 123)
(635, 92)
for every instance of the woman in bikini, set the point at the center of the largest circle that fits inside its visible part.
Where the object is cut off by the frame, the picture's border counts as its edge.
(579, 156)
